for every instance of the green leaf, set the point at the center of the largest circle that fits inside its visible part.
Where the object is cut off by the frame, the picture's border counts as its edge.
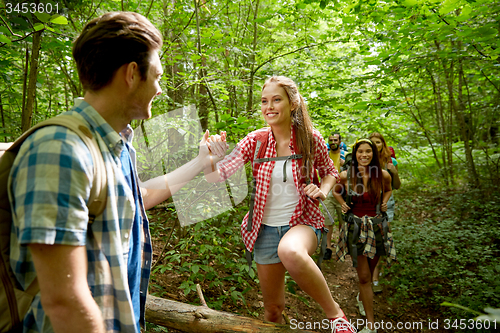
(44, 17)
(448, 6)
(361, 106)
(410, 3)
(58, 19)
(263, 19)
(349, 19)
(485, 31)
(4, 30)
(38, 26)
(466, 11)
(461, 307)
(5, 39)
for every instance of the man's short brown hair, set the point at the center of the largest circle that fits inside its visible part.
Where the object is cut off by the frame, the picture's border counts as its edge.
(110, 41)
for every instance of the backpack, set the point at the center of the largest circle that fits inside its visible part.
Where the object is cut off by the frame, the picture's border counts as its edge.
(393, 153)
(347, 162)
(15, 302)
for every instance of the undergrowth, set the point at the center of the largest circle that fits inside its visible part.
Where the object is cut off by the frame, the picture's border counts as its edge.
(209, 253)
(448, 249)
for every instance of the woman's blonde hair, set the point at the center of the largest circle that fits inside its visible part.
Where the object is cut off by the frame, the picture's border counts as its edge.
(301, 121)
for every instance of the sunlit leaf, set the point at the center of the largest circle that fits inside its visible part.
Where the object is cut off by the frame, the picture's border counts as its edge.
(58, 19)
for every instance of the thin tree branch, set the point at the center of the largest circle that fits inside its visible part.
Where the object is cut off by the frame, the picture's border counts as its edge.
(473, 45)
(20, 39)
(487, 78)
(149, 8)
(297, 50)
(8, 27)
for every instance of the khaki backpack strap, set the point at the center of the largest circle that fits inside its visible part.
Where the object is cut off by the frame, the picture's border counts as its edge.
(76, 123)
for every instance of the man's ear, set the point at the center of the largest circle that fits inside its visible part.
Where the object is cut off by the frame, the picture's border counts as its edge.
(132, 74)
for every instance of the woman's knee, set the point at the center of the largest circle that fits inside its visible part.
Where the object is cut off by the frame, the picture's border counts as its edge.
(291, 254)
(364, 273)
(364, 278)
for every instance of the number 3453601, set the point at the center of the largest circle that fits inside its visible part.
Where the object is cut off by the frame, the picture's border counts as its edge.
(32, 8)
(470, 324)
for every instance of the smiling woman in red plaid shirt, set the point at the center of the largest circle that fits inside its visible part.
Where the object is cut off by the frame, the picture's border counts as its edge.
(287, 222)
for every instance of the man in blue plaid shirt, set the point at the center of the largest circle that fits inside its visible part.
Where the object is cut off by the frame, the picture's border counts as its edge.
(94, 277)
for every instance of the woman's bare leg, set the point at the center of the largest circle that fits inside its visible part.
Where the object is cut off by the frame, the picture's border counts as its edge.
(295, 251)
(365, 269)
(272, 284)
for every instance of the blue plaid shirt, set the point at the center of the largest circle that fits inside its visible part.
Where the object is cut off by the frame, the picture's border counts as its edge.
(49, 187)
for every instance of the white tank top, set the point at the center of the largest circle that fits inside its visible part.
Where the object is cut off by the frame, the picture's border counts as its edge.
(282, 197)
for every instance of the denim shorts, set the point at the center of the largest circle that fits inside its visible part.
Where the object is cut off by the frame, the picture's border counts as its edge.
(266, 245)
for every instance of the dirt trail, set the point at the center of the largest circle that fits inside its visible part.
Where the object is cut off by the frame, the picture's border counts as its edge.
(300, 308)
(343, 282)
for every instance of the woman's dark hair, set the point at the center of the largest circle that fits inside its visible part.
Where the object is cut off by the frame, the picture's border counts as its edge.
(110, 41)
(301, 121)
(375, 180)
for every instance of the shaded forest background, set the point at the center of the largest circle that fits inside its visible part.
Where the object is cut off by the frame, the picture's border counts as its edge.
(424, 73)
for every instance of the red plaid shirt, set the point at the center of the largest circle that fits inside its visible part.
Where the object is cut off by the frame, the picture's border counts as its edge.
(307, 211)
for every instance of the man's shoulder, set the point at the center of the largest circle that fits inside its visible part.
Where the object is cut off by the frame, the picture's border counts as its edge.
(52, 141)
(54, 133)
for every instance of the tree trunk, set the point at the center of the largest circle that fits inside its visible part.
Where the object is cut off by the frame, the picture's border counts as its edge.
(201, 319)
(25, 78)
(438, 107)
(420, 123)
(202, 89)
(465, 128)
(458, 111)
(254, 49)
(3, 119)
(30, 94)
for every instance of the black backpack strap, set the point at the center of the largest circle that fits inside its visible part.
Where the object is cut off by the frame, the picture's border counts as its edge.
(280, 158)
(348, 190)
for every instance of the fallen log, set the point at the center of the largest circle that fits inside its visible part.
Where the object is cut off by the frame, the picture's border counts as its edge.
(201, 319)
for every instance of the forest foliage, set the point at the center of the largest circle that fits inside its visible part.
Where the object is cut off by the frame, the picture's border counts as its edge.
(425, 73)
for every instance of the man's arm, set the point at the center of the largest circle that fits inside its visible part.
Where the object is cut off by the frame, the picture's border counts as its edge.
(65, 294)
(159, 189)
